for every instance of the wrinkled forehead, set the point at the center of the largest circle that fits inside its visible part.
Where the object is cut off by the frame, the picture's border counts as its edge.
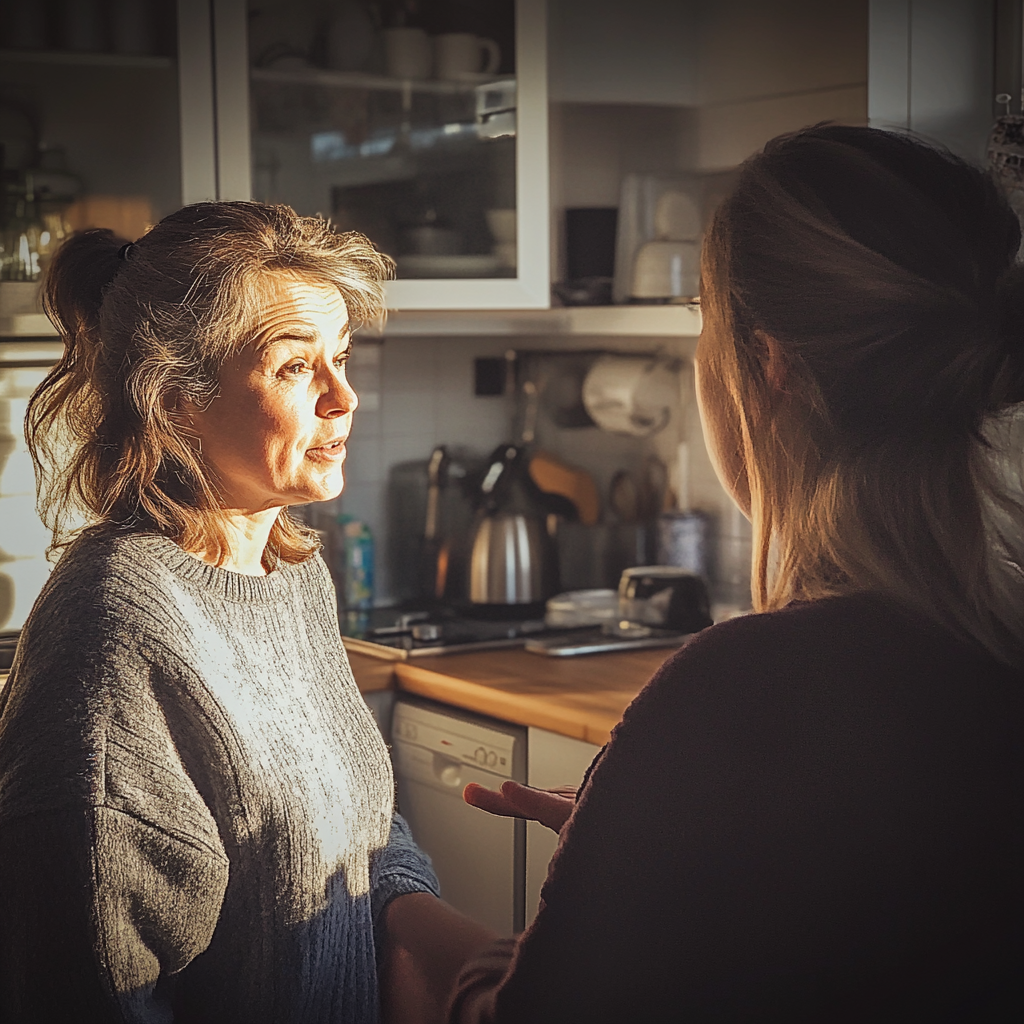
(278, 298)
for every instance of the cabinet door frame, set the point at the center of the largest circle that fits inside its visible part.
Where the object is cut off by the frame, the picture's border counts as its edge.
(231, 162)
(197, 120)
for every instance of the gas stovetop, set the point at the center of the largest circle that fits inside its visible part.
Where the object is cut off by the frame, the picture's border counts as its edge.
(389, 632)
(397, 635)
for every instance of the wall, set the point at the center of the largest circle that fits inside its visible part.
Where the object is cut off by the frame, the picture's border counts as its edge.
(415, 393)
(931, 70)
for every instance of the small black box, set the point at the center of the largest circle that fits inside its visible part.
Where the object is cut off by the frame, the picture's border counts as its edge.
(489, 376)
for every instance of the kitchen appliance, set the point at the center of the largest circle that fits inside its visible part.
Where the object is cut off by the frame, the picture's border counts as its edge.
(664, 597)
(657, 242)
(513, 562)
(400, 635)
(480, 859)
(658, 606)
(430, 507)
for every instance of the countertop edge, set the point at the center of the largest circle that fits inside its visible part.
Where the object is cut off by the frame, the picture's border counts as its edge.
(521, 709)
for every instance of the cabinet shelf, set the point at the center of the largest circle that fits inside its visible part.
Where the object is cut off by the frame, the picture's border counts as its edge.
(624, 321)
(97, 60)
(365, 80)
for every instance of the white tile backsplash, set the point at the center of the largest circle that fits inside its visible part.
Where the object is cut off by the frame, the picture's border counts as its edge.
(425, 388)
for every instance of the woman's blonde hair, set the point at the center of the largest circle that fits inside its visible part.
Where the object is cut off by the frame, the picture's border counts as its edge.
(865, 315)
(148, 327)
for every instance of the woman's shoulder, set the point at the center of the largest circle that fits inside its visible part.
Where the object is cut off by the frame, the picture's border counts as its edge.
(104, 564)
(841, 644)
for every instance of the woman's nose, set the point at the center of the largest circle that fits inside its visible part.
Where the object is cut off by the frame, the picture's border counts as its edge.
(337, 397)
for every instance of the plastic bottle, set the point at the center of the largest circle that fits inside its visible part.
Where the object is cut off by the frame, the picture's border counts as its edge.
(357, 556)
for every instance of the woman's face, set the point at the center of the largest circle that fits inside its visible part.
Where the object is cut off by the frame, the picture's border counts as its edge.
(719, 419)
(275, 435)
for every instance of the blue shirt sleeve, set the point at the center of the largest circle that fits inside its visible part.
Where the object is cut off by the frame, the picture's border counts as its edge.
(400, 868)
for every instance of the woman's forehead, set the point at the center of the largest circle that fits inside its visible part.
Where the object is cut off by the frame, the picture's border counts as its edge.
(280, 292)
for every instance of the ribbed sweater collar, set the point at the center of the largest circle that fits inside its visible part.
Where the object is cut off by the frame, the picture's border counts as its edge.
(232, 586)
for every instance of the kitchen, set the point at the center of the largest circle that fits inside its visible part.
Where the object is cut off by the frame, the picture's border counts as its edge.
(610, 102)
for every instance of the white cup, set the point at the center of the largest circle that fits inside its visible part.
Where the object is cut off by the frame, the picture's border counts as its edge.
(407, 53)
(462, 55)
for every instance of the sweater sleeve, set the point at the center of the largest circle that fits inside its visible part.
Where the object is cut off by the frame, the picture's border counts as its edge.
(113, 870)
(400, 868)
(99, 910)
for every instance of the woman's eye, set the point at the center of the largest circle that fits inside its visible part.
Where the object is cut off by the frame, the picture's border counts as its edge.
(293, 369)
(342, 359)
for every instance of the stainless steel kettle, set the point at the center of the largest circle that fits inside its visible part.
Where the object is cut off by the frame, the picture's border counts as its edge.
(513, 561)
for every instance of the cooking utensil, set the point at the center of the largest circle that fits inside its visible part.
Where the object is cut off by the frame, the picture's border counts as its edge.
(653, 486)
(434, 556)
(555, 477)
(624, 497)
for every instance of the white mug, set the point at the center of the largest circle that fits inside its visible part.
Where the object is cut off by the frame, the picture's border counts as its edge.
(407, 53)
(461, 55)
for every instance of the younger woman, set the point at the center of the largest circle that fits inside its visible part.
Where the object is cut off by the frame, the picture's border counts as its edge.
(816, 813)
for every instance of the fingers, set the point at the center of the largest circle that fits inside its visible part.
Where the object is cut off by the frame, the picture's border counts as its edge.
(489, 800)
(550, 808)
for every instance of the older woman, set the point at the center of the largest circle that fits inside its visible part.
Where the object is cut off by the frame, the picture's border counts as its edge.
(196, 809)
(815, 813)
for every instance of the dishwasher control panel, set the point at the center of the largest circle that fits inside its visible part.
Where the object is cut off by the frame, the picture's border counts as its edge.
(464, 741)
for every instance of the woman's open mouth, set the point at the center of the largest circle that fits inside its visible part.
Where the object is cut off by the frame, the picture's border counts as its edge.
(333, 450)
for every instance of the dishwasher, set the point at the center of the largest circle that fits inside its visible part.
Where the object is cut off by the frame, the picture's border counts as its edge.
(480, 858)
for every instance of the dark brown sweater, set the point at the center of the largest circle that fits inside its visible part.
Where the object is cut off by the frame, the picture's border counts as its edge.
(810, 815)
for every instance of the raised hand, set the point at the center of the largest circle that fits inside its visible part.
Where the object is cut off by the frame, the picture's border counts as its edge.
(551, 807)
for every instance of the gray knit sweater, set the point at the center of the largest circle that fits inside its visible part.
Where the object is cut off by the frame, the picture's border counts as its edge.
(196, 808)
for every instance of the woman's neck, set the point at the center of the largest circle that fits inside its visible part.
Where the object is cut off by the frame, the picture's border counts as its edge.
(246, 534)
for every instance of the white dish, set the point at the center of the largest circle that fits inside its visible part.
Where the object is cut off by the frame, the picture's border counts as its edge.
(462, 265)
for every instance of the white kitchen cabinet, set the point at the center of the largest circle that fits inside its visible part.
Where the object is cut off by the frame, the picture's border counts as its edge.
(417, 164)
(551, 760)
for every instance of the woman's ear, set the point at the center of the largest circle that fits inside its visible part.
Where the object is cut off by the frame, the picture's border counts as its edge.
(777, 370)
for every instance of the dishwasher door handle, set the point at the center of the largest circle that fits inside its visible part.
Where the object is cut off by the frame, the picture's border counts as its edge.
(447, 771)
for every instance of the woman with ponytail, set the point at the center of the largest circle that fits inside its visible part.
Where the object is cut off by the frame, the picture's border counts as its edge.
(196, 808)
(816, 812)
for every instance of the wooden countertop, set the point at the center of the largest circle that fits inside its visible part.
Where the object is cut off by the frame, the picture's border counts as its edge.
(582, 697)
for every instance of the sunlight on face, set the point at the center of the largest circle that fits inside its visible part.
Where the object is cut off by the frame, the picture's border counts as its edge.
(275, 435)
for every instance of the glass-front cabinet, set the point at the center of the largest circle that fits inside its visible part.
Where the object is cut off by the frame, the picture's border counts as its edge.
(89, 124)
(421, 123)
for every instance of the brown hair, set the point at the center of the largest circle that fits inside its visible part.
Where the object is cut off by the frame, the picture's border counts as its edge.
(880, 274)
(150, 327)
